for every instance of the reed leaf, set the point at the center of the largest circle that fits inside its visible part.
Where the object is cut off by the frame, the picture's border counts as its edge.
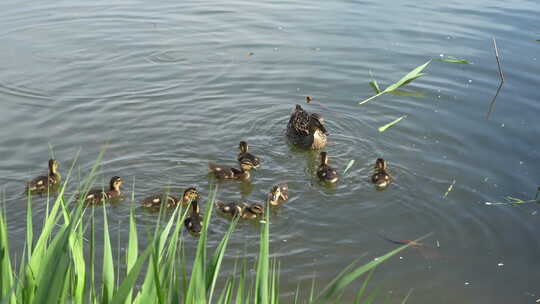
(108, 264)
(451, 59)
(412, 75)
(391, 124)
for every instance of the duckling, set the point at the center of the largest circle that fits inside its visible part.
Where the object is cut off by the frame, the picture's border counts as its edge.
(194, 222)
(278, 195)
(381, 178)
(157, 200)
(44, 182)
(96, 196)
(253, 211)
(245, 156)
(221, 172)
(325, 172)
(306, 130)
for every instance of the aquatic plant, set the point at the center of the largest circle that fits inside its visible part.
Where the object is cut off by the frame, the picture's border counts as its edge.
(412, 75)
(59, 264)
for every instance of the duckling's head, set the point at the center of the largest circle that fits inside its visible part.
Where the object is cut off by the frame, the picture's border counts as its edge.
(115, 183)
(53, 165)
(278, 194)
(247, 165)
(316, 122)
(191, 194)
(243, 147)
(380, 164)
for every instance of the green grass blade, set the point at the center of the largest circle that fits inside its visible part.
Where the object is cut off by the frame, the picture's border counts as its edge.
(362, 290)
(29, 227)
(344, 279)
(375, 86)
(131, 279)
(6, 275)
(412, 75)
(133, 250)
(240, 291)
(391, 124)
(261, 279)
(196, 292)
(108, 264)
(215, 263)
(407, 296)
(451, 59)
(79, 265)
(349, 165)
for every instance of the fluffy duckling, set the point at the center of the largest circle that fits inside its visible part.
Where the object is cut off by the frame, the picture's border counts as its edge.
(42, 183)
(240, 209)
(164, 199)
(278, 195)
(245, 156)
(306, 130)
(194, 222)
(381, 178)
(221, 172)
(325, 172)
(96, 196)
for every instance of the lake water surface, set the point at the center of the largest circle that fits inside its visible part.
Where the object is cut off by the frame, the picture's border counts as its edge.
(175, 84)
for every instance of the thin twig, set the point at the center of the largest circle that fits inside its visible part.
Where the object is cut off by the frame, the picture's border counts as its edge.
(492, 103)
(497, 57)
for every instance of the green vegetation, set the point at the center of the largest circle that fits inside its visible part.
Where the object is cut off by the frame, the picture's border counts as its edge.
(412, 75)
(58, 263)
(390, 124)
(451, 59)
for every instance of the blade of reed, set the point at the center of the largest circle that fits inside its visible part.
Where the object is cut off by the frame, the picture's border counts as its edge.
(133, 249)
(412, 75)
(362, 290)
(344, 279)
(196, 292)
(391, 124)
(261, 278)
(407, 296)
(215, 263)
(129, 282)
(108, 264)
(6, 275)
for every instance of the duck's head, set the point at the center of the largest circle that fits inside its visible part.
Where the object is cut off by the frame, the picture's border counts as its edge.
(247, 165)
(278, 194)
(316, 122)
(243, 147)
(53, 165)
(115, 183)
(380, 164)
(191, 194)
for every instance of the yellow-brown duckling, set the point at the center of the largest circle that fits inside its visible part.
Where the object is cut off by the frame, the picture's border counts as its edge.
(97, 196)
(240, 209)
(306, 130)
(325, 172)
(41, 183)
(245, 156)
(194, 222)
(221, 172)
(163, 199)
(278, 195)
(381, 178)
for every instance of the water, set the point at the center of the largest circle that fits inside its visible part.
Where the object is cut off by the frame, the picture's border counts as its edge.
(170, 86)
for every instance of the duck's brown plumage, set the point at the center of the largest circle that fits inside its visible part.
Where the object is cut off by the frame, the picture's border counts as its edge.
(381, 178)
(221, 172)
(97, 196)
(194, 222)
(244, 156)
(170, 201)
(325, 172)
(306, 130)
(42, 183)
